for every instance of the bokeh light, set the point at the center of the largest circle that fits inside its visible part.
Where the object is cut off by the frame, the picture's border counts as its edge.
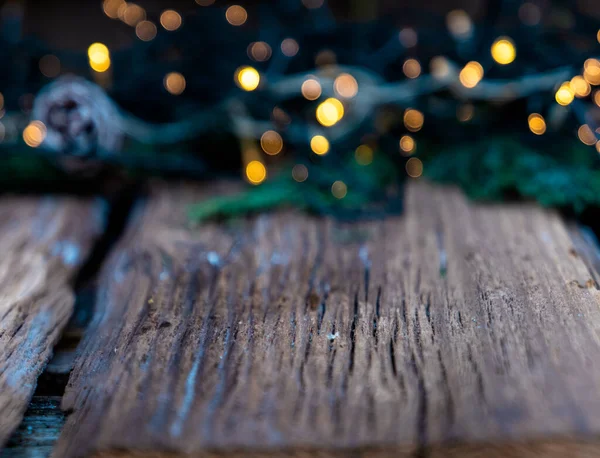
(145, 30)
(503, 51)
(411, 68)
(133, 14)
(339, 189)
(330, 112)
(256, 172)
(311, 89)
(471, 74)
(345, 85)
(364, 155)
(591, 71)
(596, 98)
(465, 112)
(319, 145)
(413, 119)
(289, 47)
(530, 14)
(565, 95)
(170, 20)
(259, 51)
(236, 15)
(407, 145)
(408, 37)
(537, 124)
(34, 134)
(580, 86)
(271, 142)
(174, 83)
(49, 66)
(414, 167)
(111, 8)
(99, 57)
(439, 67)
(586, 135)
(247, 78)
(299, 173)
(325, 58)
(459, 24)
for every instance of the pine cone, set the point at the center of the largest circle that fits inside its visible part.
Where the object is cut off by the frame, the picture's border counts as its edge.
(81, 120)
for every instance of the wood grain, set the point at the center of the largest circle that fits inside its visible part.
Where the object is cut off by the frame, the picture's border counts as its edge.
(43, 242)
(452, 330)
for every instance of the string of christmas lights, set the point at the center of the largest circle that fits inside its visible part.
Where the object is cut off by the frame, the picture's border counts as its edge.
(317, 92)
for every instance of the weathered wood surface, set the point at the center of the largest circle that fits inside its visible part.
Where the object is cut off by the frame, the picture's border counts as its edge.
(36, 435)
(43, 242)
(452, 330)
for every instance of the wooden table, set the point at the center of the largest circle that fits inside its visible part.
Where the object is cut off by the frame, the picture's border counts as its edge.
(455, 329)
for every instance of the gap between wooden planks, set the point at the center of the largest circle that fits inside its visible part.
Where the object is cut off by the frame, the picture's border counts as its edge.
(453, 330)
(43, 243)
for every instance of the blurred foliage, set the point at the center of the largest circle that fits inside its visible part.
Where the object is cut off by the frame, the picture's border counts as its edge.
(562, 175)
(373, 191)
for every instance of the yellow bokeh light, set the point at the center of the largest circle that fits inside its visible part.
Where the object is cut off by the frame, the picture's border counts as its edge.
(1, 101)
(170, 20)
(591, 71)
(236, 15)
(290, 47)
(271, 142)
(598, 36)
(311, 89)
(345, 85)
(565, 95)
(132, 14)
(339, 189)
(319, 144)
(411, 68)
(596, 98)
(330, 112)
(580, 86)
(503, 51)
(174, 83)
(364, 155)
(471, 74)
(414, 167)
(34, 134)
(537, 124)
(586, 135)
(111, 8)
(299, 173)
(256, 172)
(247, 78)
(407, 145)
(413, 119)
(145, 30)
(99, 57)
(259, 51)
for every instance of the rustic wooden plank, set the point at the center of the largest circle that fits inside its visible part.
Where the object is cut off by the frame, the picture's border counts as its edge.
(43, 241)
(453, 330)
